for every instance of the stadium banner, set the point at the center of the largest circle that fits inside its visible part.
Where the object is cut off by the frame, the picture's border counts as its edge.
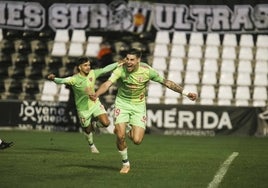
(136, 16)
(202, 120)
(161, 119)
(38, 115)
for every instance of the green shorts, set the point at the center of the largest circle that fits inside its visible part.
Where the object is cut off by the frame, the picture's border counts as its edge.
(85, 116)
(134, 114)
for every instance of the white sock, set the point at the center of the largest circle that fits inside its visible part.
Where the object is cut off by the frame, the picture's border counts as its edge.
(89, 138)
(124, 156)
(126, 164)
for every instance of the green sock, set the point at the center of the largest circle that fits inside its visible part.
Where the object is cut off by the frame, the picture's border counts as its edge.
(89, 138)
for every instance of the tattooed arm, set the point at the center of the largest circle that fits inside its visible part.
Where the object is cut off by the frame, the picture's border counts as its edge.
(179, 89)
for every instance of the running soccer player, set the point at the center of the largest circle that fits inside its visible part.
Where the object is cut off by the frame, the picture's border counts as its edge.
(130, 103)
(83, 85)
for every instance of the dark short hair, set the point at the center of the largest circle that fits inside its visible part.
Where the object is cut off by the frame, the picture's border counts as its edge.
(82, 60)
(134, 51)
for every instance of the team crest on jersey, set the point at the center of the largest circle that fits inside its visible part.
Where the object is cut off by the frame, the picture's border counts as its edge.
(90, 79)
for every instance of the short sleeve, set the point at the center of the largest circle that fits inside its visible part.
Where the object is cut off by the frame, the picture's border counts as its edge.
(67, 80)
(116, 74)
(154, 76)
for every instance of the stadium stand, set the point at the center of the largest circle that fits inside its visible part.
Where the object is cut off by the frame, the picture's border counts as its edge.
(242, 96)
(261, 54)
(210, 65)
(49, 92)
(176, 64)
(221, 62)
(179, 38)
(207, 95)
(245, 53)
(212, 52)
(227, 65)
(177, 50)
(213, 39)
(196, 39)
(5, 60)
(155, 93)
(1, 34)
(64, 93)
(22, 47)
(39, 47)
(229, 39)
(192, 88)
(262, 41)
(7, 46)
(225, 95)
(260, 79)
(195, 51)
(243, 79)
(62, 35)
(76, 49)
(246, 40)
(244, 66)
(161, 50)
(228, 52)
(191, 77)
(59, 49)
(31, 89)
(226, 78)
(2, 87)
(162, 37)
(175, 76)
(261, 67)
(260, 95)
(171, 97)
(78, 36)
(193, 64)
(159, 63)
(209, 78)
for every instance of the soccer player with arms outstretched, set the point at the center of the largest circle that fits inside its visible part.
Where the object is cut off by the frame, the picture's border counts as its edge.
(83, 85)
(130, 103)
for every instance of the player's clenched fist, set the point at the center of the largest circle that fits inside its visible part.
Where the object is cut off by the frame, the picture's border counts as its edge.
(51, 77)
(192, 96)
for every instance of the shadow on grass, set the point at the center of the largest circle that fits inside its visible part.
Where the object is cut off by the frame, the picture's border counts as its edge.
(95, 167)
(52, 149)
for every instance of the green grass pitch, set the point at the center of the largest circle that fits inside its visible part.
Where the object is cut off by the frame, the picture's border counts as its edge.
(60, 159)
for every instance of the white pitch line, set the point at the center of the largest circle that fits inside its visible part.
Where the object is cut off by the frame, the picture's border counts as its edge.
(222, 171)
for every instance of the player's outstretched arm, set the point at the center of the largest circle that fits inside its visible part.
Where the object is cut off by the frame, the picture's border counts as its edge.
(179, 89)
(102, 89)
(109, 68)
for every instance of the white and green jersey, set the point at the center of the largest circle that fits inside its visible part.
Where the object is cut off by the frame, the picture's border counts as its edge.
(81, 83)
(132, 85)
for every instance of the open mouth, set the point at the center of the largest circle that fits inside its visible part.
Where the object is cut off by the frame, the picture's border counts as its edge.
(129, 66)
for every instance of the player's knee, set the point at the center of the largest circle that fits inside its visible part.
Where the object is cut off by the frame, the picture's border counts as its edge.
(137, 141)
(106, 123)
